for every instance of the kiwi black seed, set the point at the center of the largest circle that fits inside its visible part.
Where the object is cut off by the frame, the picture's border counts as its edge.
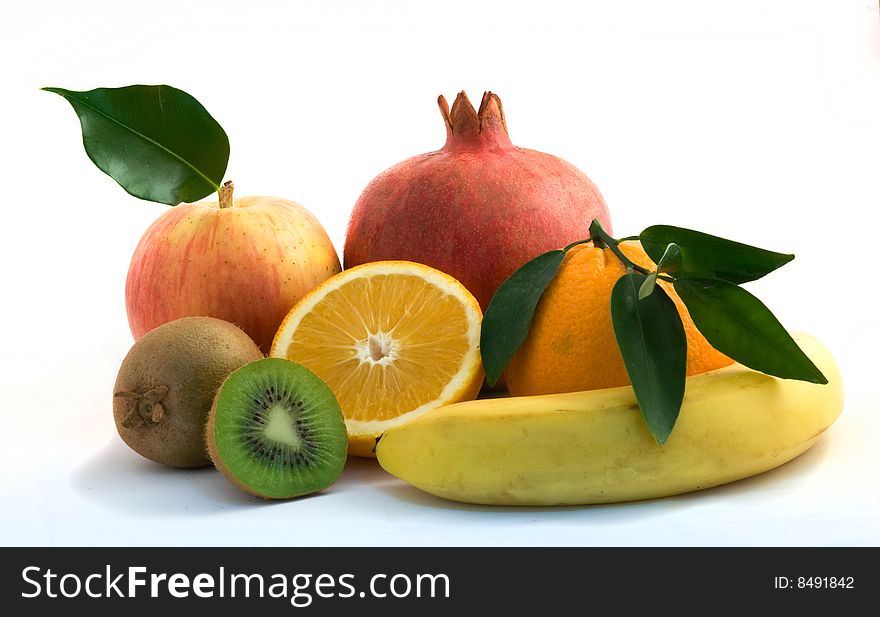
(167, 383)
(276, 430)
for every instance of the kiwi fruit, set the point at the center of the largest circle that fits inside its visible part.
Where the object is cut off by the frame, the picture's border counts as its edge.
(167, 383)
(276, 430)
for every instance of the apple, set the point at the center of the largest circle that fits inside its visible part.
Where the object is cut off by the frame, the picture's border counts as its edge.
(246, 260)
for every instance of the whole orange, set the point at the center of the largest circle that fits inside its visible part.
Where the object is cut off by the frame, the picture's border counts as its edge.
(571, 345)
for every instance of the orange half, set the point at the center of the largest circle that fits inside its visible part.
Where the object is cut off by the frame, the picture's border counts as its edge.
(392, 339)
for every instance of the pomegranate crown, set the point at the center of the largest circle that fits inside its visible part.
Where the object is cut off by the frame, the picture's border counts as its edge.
(467, 126)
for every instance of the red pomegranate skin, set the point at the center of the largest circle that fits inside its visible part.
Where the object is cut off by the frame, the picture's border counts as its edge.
(478, 208)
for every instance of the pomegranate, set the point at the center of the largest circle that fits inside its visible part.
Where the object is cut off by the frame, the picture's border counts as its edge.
(478, 208)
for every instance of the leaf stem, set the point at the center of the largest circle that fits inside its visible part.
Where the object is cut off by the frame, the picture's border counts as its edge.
(597, 232)
(225, 194)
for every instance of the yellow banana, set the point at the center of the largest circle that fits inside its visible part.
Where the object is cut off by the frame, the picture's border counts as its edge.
(594, 447)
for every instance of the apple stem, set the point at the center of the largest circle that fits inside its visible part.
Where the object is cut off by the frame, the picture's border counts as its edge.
(225, 193)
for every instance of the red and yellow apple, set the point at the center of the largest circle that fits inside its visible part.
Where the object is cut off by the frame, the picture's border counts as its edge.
(246, 260)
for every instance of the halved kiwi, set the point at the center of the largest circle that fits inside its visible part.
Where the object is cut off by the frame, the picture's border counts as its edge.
(276, 430)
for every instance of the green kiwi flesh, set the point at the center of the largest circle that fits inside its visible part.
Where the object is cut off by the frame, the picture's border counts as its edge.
(167, 383)
(276, 430)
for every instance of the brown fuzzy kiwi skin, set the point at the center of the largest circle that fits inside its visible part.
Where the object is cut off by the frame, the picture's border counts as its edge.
(166, 386)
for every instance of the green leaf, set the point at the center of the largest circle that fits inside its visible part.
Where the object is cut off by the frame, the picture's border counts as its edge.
(509, 314)
(647, 286)
(739, 325)
(670, 262)
(157, 142)
(671, 259)
(653, 344)
(706, 256)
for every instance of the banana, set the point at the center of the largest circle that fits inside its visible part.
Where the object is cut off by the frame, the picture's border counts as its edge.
(594, 447)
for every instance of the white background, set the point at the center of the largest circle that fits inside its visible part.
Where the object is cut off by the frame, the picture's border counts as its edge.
(757, 120)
